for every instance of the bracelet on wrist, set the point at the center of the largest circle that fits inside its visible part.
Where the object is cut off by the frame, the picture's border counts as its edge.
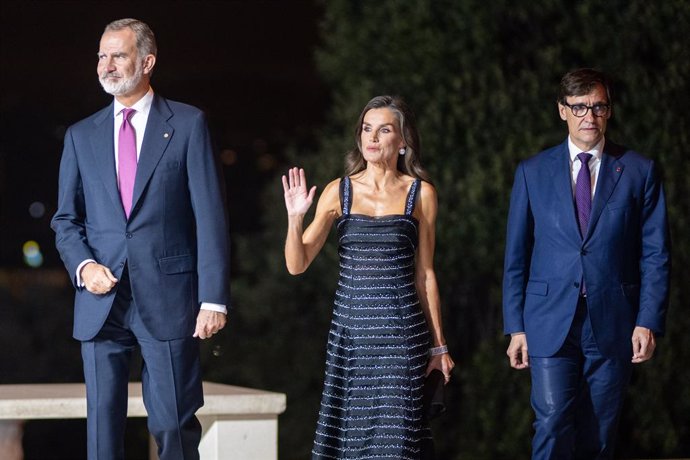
(434, 351)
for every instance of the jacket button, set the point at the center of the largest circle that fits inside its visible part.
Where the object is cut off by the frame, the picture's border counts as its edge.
(583, 252)
(128, 235)
(576, 284)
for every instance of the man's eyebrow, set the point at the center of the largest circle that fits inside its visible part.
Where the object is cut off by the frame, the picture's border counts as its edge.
(115, 54)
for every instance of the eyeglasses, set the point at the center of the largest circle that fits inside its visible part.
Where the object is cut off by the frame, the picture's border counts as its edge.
(580, 110)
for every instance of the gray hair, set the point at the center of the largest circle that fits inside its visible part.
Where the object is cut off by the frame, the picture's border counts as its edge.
(146, 41)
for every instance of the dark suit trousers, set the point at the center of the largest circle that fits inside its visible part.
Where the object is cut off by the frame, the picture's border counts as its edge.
(171, 385)
(577, 396)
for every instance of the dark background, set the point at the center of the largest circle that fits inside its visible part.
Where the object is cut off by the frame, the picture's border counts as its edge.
(248, 64)
(283, 83)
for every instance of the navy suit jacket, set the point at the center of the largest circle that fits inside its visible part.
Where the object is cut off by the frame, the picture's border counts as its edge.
(175, 242)
(624, 257)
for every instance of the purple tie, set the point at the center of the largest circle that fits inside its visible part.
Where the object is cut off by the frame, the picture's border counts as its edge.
(127, 160)
(583, 200)
(583, 193)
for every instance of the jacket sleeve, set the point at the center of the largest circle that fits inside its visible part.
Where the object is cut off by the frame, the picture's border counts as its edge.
(655, 258)
(207, 193)
(69, 219)
(519, 243)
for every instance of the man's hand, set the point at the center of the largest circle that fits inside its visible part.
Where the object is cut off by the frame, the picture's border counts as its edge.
(97, 278)
(643, 344)
(208, 323)
(517, 351)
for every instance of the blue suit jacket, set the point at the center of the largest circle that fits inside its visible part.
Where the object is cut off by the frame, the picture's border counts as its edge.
(176, 240)
(624, 257)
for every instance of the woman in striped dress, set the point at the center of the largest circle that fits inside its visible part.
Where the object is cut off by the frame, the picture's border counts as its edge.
(386, 333)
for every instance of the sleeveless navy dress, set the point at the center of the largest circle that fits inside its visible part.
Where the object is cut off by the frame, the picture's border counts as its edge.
(371, 406)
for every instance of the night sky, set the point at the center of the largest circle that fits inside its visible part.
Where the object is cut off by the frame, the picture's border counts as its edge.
(248, 64)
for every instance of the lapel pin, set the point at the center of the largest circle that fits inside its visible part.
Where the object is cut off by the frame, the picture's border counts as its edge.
(166, 135)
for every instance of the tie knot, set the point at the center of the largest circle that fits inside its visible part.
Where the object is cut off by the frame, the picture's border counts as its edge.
(584, 157)
(127, 113)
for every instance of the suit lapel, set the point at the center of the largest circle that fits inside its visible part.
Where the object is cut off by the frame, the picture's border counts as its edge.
(563, 187)
(609, 174)
(103, 150)
(156, 139)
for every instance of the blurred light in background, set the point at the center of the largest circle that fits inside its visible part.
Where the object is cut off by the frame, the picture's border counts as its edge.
(228, 157)
(266, 162)
(37, 209)
(32, 254)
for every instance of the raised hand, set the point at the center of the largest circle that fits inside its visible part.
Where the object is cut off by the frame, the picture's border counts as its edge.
(297, 198)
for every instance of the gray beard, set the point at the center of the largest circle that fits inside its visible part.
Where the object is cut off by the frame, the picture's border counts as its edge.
(125, 85)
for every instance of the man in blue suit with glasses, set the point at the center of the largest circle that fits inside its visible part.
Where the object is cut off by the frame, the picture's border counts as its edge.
(586, 274)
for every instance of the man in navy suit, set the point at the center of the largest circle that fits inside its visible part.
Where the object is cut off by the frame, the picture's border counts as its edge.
(586, 274)
(149, 260)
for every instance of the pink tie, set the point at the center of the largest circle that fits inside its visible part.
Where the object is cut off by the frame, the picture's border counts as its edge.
(127, 160)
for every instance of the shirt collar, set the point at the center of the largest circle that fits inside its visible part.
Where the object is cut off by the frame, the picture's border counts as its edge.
(597, 151)
(143, 105)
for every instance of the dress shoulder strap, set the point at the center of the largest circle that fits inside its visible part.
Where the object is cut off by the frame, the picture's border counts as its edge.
(412, 197)
(345, 195)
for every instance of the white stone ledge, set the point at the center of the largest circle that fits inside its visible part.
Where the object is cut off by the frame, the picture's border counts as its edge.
(68, 400)
(238, 423)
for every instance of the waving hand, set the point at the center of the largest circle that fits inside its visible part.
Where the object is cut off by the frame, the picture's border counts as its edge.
(297, 198)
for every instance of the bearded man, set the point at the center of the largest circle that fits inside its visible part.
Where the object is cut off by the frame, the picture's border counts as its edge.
(142, 231)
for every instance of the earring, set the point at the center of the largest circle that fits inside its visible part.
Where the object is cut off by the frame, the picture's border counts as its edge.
(402, 151)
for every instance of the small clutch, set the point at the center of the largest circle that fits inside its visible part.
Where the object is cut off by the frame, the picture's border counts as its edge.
(434, 400)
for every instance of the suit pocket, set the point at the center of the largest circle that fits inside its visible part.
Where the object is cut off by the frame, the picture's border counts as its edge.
(537, 287)
(176, 264)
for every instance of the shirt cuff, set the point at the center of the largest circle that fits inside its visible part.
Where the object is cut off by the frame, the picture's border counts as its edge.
(77, 276)
(214, 307)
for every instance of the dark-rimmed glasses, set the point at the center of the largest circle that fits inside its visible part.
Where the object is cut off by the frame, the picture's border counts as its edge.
(580, 110)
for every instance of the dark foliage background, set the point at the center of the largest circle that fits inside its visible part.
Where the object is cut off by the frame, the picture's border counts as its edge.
(482, 78)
